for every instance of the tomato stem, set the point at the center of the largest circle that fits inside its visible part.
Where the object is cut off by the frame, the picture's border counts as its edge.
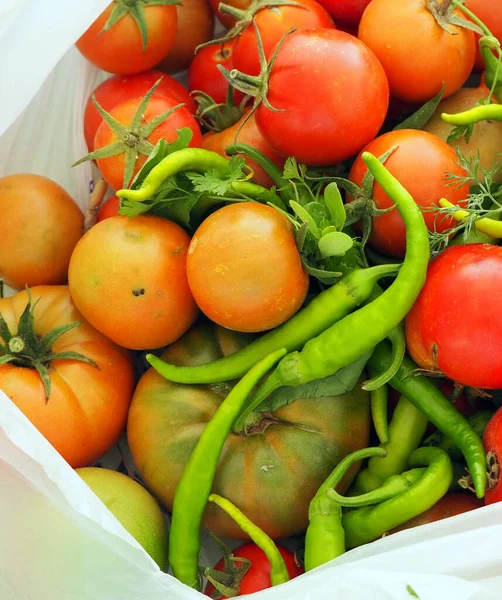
(17, 345)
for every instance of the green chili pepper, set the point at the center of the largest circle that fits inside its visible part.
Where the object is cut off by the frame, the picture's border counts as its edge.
(485, 112)
(329, 306)
(398, 340)
(270, 168)
(493, 65)
(367, 524)
(378, 402)
(196, 482)
(422, 392)
(278, 569)
(358, 333)
(406, 430)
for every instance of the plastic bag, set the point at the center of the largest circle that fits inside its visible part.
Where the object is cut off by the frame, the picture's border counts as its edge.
(58, 541)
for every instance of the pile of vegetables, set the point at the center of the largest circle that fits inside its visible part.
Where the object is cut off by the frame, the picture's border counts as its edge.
(286, 287)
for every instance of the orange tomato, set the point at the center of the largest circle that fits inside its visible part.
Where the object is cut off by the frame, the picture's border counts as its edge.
(490, 13)
(39, 228)
(227, 20)
(87, 408)
(128, 278)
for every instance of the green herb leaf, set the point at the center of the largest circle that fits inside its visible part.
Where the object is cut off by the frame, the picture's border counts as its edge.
(335, 243)
(306, 217)
(420, 118)
(459, 131)
(412, 592)
(212, 182)
(334, 204)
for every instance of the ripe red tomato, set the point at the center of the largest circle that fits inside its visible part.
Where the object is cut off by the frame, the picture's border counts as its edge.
(416, 53)
(455, 326)
(244, 269)
(273, 24)
(348, 12)
(119, 88)
(492, 441)
(331, 119)
(113, 167)
(250, 135)
(420, 163)
(120, 49)
(128, 278)
(491, 14)
(109, 209)
(227, 20)
(257, 578)
(204, 75)
(449, 506)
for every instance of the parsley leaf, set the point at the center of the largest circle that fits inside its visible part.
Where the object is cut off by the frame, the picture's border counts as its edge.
(212, 182)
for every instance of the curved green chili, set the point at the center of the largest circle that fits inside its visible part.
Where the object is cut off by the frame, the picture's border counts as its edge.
(427, 398)
(329, 306)
(485, 112)
(378, 403)
(278, 569)
(367, 524)
(398, 340)
(196, 482)
(358, 333)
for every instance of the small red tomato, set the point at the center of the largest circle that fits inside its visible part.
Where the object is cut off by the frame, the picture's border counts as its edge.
(109, 209)
(257, 578)
(490, 13)
(348, 12)
(492, 441)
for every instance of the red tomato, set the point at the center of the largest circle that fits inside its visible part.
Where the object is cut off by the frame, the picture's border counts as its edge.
(416, 53)
(250, 135)
(333, 120)
(109, 209)
(120, 49)
(420, 163)
(449, 506)
(244, 269)
(112, 168)
(492, 441)
(227, 20)
(491, 14)
(119, 88)
(348, 12)
(257, 578)
(273, 24)
(456, 326)
(204, 75)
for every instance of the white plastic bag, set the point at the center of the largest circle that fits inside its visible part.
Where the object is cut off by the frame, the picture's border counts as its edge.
(57, 540)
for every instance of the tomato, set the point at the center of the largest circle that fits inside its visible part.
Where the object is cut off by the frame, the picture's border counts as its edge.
(109, 209)
(227, 20)
(348, 12)
(491, 14)
(492, 441)
(120, 49)
(250, 135)
(39, 228)
(195, 27)
(273, 24)
(257, 578)
(204, 75)
(292, 449)
(128, 278)
(449, 506)
(119, 88)
(485, 137)
(87, 408)
(420, 163)
(416, 53)
(455, 326)
(113, 167)
(334, 119)
(244, 269)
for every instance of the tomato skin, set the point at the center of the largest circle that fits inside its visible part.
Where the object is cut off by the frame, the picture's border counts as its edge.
(40, 226)
(109, 209)
(492, 441)
(334, 120)
(273, 24)
(257, 577)
(87, 408)
(227, 20)
(112, 168)
(128, 278)
(120, 49)
(348, 12)
(491, 14)
(195, 27)
(119, 88)
(244, 269)
(166, 420)
(449, 506)
(420, 163)
(416, 53)
(250, 135)
(464, 341)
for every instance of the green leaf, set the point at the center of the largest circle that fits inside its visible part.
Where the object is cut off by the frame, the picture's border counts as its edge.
(420, 118)
(335, 243)
(334, 203)
(5, 332)
(306, 217)
(324, 275)
(212, 182)
(340, 383)
(291, 170)
(412, 592)
(53, 335)
(459, 131)
(317, 211)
